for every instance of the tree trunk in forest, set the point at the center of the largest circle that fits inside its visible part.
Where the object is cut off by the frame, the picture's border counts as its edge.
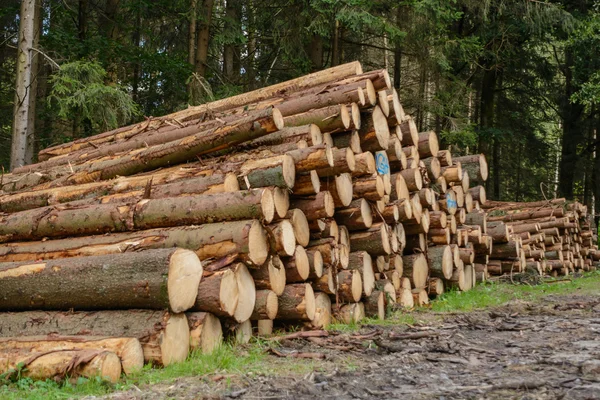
(231, 50)
(335, 46)
(103, 282)
(110, 31)
(316, 52)
(23, 127)
(486, 114)
(164, 336)
(251, 46)
(193, 23)
(572, 130)
(206, 10)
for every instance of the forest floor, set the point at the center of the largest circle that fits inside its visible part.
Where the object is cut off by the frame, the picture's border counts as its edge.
(499, 341)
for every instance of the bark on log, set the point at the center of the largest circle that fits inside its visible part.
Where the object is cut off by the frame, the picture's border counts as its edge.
(297, 302)
(129, 350)
(155, 279)
(297, 267)
(374, 131)
(59, 364)
(376, 240)
(350, 286)
(476, 166)
(218, 294)
(440, 261)
(266, 306)
(415, 268)
(357, 216)
(270, 276)
(319, 206)
(322, 317)
(328, 119)
(206, 333)
(164, 336)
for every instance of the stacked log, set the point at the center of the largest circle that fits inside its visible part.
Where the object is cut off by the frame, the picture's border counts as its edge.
(305, 202)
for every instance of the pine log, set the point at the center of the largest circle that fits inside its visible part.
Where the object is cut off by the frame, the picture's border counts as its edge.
(170, 280)
(206, 333)
(297, 302)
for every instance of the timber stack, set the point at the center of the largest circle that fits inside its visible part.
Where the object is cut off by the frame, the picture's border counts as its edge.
(299, 203)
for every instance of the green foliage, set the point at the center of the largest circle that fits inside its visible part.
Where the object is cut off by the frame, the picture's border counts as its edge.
(79, 91)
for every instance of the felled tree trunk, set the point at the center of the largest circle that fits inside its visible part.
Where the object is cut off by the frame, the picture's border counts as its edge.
(155, 279)
(164, 336)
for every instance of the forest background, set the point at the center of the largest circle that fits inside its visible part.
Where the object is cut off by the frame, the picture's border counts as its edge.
(517, 80)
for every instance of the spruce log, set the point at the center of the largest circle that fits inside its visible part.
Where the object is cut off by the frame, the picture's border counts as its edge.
(375, 240)
(266, 306)
(297, 267)
(316, 79)
(297, 302)
(170, 279)
(476, 166)
(164, 336)
(271, 276)
(374, 131)
(350, 286)
(340, 189)
(282, 237)
(326, 283)
(415, 268)
(206, 333)
(435, 286)
(440, 261)
(218, 294)
(318, 206)
(129, 350)
(362, 261)
(357, 216)
(328, 119)
(322, 317)
(246, 238)
(58, 364)
(410, 133)
(428, 144)
(375, 304)
(349, 313)
(371, 188)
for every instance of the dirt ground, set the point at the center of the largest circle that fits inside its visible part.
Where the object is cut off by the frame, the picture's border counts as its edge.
(546, 350)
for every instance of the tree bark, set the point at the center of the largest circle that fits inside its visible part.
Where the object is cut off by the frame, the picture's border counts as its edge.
(150, 279)
(164, 336)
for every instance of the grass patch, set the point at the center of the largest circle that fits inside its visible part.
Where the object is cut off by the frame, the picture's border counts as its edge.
(496, 294)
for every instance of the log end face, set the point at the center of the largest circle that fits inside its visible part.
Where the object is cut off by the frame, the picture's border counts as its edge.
(231, 183)
(345, 116)
(278, 118)
(289, 171)
(267, 204)
(277, 275)
(371, 93)
(109, 366)
(420, 271)
(309, 301)
(212, 334)
(366, 213)
(185, 272)
(301, 227)
(447, 262)
(258, 244)
(382, 130)
(356, 121)
(247, 293)
(318, 264)
(229, 294)
(132, 356)
(322, 317)
(350, 159)
(329, 204)
(272, 305)
(343, 187)
(288, 238)
(281, 198)
(301, 262)
(176, 340)
(357, 285)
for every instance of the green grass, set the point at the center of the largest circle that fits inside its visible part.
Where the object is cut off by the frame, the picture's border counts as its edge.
(492, 294)
(253, 358)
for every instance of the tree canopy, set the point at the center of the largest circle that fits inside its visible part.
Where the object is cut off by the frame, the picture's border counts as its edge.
(517, 80)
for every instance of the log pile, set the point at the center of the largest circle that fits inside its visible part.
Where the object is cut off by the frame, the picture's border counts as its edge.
(304, 202)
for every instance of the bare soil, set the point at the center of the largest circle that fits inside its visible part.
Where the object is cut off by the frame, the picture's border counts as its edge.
(543, 350)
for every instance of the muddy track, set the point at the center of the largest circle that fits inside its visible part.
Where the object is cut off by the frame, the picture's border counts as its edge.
(548, 350)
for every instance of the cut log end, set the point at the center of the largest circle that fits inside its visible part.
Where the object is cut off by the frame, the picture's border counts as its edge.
(175, 343)
(281, 199)
(185, 272)
(247, 293)
(322, 318)
(382, 130)
(289, 171)
(258, 244)
(206, 332)
(277, 118)
(271, 305)
(267, 204)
